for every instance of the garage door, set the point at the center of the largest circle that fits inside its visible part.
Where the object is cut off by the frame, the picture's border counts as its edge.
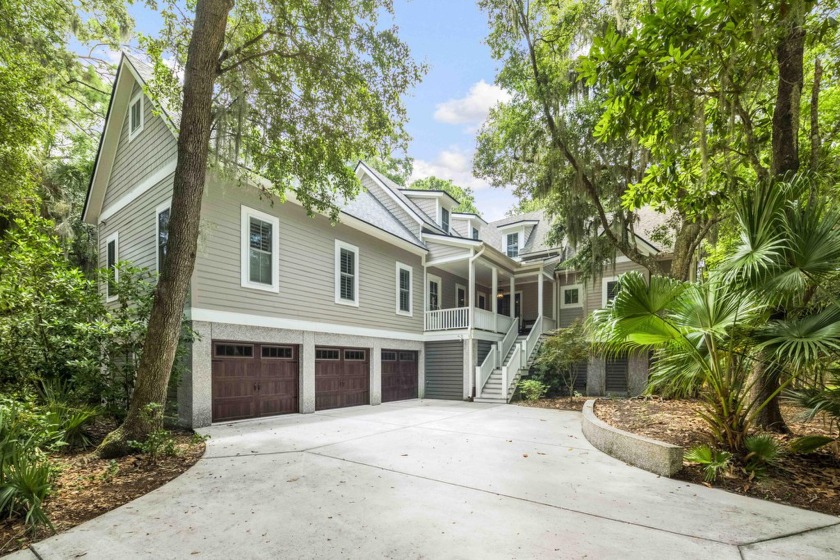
(342, 377)
(444, 365)
(253, 380)
(616, 381)
(399, 375)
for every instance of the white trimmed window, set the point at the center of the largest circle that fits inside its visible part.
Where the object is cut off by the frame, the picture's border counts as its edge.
(444, 219)
(571, 296)
(609, 289)
(346, 273)
(135, 116)
(162, 213)
(404, 275)
(513, 244)
(260, 241)
(474, 233)
(112, 257)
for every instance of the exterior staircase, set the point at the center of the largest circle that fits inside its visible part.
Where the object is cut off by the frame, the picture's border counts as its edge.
(493, 392)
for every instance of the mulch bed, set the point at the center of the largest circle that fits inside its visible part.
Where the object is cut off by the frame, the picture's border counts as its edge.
(808, 481)
(88, 487)
(557, 403)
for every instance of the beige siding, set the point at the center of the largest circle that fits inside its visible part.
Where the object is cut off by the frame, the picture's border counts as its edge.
(388, 201)
(461, 226)
(594, 288)
(306, 267)
(427, 205)
(448, 282)
(142, 156)
(135, 226)
(439, 251)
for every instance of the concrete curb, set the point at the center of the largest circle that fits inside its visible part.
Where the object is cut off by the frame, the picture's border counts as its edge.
(648, 454)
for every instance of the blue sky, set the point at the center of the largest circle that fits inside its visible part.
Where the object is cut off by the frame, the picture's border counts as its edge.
(447, 108)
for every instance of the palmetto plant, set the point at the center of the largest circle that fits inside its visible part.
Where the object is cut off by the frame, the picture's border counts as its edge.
(764, 313)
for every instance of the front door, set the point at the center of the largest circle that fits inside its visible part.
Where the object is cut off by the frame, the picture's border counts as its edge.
(504, 305)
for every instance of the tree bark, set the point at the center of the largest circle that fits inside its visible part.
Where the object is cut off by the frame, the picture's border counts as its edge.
(684, 246)
(816, 144)
(790, 53)
(164, 330)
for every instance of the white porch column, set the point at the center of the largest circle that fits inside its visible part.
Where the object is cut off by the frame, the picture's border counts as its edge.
(512, 298)
(495, 291)
(471, 291)
(540, 295)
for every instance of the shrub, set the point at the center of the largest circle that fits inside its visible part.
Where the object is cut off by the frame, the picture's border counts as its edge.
(556, 363)
(714, 461)
(25, 482)
(532, 389)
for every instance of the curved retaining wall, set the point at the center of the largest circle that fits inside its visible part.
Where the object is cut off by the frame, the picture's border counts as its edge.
(648, 454)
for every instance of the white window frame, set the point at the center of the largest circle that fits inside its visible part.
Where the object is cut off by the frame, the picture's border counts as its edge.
(448, 227)
(474, 232)
(518, 244)
(115, 237)
(141, 98)
(161, 208)
(246, 214)
(339, 245)
(478, 296)
(436, 279)
(563, 289)
(410, 270)
(466, 295)
(606, 280)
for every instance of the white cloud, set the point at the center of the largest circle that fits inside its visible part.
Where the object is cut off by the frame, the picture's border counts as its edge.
(471, 110)
(453, 164)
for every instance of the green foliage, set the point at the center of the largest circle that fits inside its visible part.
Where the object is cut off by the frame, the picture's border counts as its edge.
(159, 443)
(532, 390)
(396, 169)
(809, 444)
(25, 482)
(714, 461)
(557, 360)
(464, 195)
(762, 450)
(302, 89)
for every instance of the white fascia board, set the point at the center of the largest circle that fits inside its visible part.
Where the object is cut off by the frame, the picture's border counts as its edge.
(451, 240)
(520, 224)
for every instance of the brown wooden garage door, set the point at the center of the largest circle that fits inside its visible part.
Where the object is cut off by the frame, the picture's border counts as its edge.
(252, 380)
(399, 375)
(342, 377)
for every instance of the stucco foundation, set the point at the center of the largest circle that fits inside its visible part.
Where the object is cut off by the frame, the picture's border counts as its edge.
(195, 394)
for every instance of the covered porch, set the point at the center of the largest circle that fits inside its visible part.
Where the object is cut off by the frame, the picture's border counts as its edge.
(474, 291)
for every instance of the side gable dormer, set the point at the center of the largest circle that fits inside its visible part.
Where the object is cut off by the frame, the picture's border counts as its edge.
(468, 225)
(515, 235)
(438, 205)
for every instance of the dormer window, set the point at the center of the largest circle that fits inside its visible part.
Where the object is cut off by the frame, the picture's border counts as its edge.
(444, 219)
(135, 116)
(513, 245)
(474, 233)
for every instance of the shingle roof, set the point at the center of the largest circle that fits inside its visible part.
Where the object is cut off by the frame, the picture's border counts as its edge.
(397, 191)
(368, 208)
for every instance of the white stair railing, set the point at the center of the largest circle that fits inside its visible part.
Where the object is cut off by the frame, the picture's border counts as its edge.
(482, 372)
(509, 370)
(503, 323)
(446, 319)
(530, 342)
(507, 342)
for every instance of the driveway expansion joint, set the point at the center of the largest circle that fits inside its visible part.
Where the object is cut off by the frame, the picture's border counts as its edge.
(788, 535)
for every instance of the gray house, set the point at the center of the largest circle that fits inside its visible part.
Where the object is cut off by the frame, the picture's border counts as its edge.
(403, 298)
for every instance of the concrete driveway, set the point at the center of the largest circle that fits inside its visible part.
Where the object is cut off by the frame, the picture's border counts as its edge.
(434, 479)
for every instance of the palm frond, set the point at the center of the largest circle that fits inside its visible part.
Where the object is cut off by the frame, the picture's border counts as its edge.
(799, 342)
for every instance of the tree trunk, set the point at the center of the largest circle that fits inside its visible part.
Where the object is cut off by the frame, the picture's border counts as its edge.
(790, 53)
(816, 144)
(190, 173)
(684, 247)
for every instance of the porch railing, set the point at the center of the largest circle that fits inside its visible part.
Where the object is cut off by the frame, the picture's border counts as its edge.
(485, 320)
(508, 341)
(509, 370)
(446, 319)
(503, 323)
